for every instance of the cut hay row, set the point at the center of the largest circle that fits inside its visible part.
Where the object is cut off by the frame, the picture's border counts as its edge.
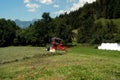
(47, 54)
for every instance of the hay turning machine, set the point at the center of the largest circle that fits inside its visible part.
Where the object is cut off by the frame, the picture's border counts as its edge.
(56, 44)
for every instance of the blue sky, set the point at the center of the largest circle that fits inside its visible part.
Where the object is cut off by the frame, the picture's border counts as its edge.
(33, 9)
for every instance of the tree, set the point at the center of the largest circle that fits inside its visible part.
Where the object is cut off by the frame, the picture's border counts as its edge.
(46, 17)
(116, 9)
(20, 37)
(84, 31)
(7, 32)
(104, 33)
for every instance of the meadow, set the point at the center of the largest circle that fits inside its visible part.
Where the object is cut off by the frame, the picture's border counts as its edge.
(11, 54)
(78, 63)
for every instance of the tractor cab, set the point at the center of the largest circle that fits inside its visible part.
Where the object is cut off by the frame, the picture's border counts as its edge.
(56, 44)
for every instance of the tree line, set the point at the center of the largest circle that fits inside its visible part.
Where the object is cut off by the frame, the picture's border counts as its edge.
(85, 20)
(37, 34)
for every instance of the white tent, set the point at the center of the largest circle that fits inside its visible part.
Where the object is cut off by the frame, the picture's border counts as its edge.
(109, 46)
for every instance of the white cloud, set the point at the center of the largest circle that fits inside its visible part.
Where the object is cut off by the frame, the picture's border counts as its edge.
(26, 1)
(56, 6)
(70, 1)
(90, 1)
(32, 7)
(76, 6)
(46, 1)
(59, 12)
(32, 10)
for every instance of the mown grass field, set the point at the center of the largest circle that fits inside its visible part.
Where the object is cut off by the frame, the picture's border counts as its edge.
(79, 63)
(8, 54)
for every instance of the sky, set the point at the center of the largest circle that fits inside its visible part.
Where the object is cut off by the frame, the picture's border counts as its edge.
(27, 10)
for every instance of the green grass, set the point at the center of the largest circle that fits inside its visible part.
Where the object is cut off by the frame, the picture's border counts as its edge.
(79, 63)
(18, 53)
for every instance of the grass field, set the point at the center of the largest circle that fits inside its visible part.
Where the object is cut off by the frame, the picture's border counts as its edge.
(8, 54)
(79, 63)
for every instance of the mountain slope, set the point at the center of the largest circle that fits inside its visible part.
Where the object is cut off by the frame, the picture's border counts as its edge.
(24, 24)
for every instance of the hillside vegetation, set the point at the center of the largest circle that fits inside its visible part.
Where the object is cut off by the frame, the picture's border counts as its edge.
(87, 20)
(117, 22)
(104, 21)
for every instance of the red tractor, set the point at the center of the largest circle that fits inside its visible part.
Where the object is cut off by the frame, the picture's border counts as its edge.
(56, 44)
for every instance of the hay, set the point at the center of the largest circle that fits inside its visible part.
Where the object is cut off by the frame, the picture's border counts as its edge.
(109, 46)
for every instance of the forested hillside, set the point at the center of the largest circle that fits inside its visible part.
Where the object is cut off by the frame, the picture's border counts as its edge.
(95, 23)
